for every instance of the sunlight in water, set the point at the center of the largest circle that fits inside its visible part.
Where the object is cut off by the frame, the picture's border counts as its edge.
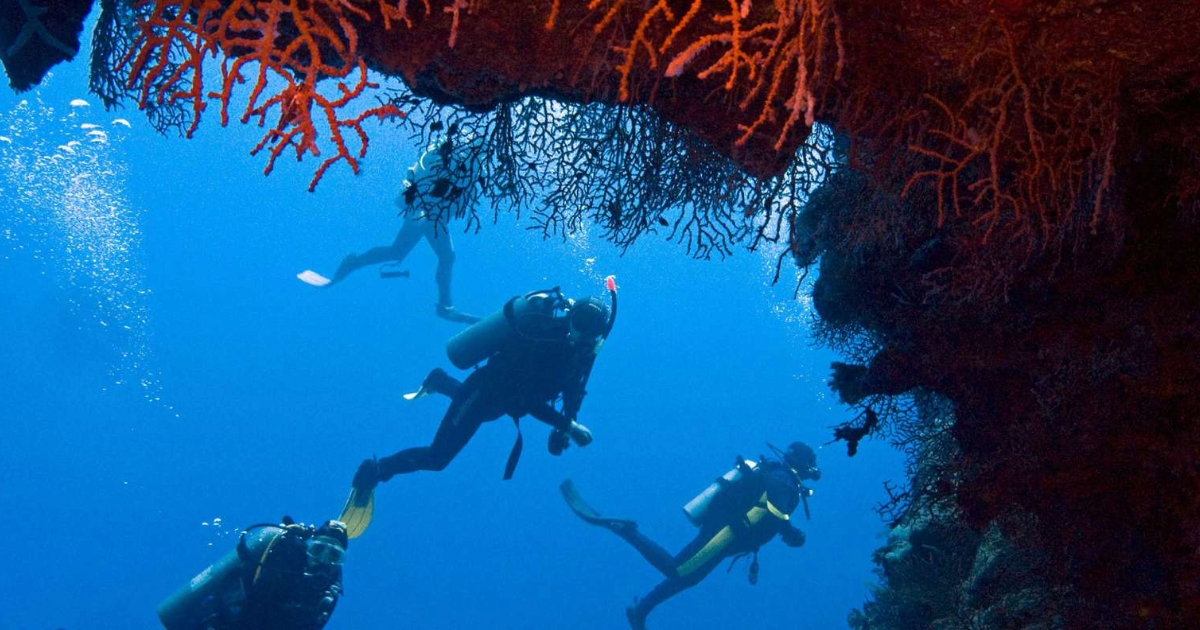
(62, 186)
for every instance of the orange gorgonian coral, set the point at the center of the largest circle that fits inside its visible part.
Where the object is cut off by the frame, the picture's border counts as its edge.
(1029, 148)
(770, 56)
(766, 52)
(286, 46)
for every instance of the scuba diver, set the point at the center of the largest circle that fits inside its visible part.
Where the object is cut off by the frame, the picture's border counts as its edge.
(280, 577)
(539, 348)
(431, 189)
(740, 512)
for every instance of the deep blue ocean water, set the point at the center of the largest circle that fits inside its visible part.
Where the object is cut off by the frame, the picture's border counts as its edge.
(161, 368)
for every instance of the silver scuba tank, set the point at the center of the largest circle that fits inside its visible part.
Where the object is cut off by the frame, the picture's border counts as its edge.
(698, 507)
(200, 598)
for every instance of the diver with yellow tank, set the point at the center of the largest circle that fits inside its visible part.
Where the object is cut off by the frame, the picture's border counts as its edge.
(740, 512)
(538, 349)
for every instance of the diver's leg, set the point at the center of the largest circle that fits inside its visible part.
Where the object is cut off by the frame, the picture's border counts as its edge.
(665, 590)
(439, 382)
(407, 238)
(675, 584)
(469, 410)
(654, 553)
(443, 246)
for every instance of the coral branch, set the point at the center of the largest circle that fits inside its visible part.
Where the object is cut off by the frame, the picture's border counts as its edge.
(788, 43)
(1037, 153)
(292, 47)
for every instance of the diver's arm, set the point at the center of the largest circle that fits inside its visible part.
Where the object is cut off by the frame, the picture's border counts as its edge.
(563, 425)
(577, 388)
(791, 535)
(551, 416)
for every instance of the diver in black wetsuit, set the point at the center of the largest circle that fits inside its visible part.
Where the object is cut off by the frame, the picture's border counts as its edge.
(739, 513)
(540, 347)
(280, 577)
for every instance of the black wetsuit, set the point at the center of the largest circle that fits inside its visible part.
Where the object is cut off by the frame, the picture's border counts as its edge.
(742, 508)
(277, 592)
(524, 378)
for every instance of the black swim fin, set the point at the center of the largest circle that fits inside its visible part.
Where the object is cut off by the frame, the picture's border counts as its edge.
(588, 513)
(450, 313)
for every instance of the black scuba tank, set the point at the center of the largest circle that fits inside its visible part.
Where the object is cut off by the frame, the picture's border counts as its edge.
(201, 599)
(529, 315)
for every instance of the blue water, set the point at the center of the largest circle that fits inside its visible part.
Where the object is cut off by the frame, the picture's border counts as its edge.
(161, 368)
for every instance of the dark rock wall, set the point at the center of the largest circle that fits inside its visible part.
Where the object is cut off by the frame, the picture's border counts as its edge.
(37, 34)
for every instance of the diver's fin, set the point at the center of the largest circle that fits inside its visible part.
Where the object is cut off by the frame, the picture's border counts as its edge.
(420, 393)
(360, 507)
(453, 314)
(312, 278)
(586, 512)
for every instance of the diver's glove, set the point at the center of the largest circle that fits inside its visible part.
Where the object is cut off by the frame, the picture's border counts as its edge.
(792, 537)
(367, 476)
(581, 434)
(559, 441)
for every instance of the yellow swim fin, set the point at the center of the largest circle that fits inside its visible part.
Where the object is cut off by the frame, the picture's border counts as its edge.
(358, 512)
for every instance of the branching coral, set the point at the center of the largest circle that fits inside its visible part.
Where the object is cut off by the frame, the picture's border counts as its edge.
(773, 61)
(623, 169)
(289, 46)
(1030, 147)
(780, 51)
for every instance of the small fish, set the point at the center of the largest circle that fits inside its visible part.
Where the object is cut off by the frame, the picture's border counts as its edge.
(89, 126)
(97, 132)
(99, 141)
(6, 139)
(66, 148)
(73, 143)
(123, 122)
(80, 103)
(663, 222)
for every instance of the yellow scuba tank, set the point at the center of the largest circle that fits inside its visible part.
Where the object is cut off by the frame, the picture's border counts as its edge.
(698, 507)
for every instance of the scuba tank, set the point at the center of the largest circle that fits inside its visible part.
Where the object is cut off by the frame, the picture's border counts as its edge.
(487, 336)
(202, 598)
(537, 315)
(280, 576)
(698, 507)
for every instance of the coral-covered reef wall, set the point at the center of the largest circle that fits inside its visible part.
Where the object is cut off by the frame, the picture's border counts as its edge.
(1012, 224)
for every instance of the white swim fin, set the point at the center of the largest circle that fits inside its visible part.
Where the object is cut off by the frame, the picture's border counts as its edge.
(310, 277)
(420, 393)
